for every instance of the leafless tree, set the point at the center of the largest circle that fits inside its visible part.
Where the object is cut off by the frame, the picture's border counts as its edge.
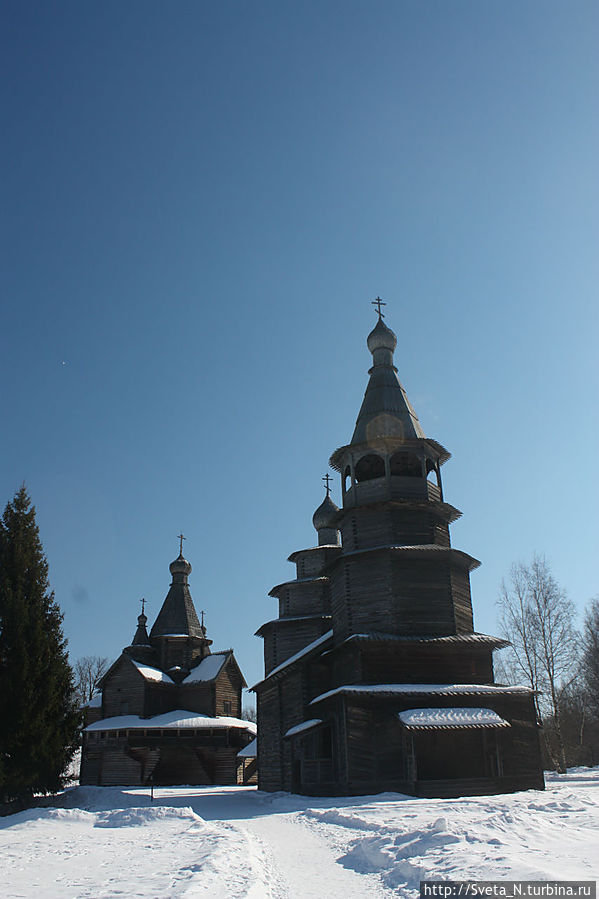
(537, 618)
(88, 670)
(515, 621)
(249, 714)
(590, 656)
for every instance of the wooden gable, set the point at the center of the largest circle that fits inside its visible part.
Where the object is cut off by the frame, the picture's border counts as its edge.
(123, 689)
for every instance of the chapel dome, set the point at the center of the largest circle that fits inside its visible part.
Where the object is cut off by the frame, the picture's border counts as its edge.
(324, 517)
(180, 566)
(381, 337)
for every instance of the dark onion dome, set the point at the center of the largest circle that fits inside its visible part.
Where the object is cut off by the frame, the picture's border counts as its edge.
(381, 338)
(324, 517)
(180, 566)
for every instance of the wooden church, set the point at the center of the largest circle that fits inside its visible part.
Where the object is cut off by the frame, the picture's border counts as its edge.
(375, 678)
(170, 709)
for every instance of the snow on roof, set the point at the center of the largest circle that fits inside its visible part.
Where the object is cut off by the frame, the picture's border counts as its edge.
(305, 725)
(207, 670)
(94, 703)
(450, 718)
(298, 655)
(439, 689)
(250, 751)
(151, 673)
(180, 718)
(174, 635)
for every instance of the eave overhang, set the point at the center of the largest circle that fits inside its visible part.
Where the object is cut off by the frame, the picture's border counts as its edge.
(457, 640)
(432, 549)
(313, 549)
(398, 690)
(446, 510)
(388, 445)
(297, 581)
(292, 619)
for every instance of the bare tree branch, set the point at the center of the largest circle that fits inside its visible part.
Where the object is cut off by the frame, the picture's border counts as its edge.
(88, 671)
(537, 618)
(590, 656)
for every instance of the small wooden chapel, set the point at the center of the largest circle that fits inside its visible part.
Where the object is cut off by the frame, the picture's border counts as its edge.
(375, 678)
(170, 708)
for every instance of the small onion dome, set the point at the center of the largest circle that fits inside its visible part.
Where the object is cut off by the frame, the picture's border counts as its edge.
(180, 566)
(381, 338)
(324, 515)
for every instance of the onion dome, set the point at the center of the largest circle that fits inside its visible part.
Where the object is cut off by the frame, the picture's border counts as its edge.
(180, 566)
(324, 517)
(325, 520)
(381, 338)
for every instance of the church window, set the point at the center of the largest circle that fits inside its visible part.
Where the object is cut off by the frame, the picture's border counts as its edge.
(227, 707)
(370, 467)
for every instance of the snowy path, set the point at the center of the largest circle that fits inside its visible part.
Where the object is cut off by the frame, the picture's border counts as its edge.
(306, 863)
(238, 843)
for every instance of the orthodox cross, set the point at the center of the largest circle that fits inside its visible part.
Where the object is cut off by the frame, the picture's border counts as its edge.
(327, 478)
(181, 539)
(378, 303)
(202, 613)
(143, 606)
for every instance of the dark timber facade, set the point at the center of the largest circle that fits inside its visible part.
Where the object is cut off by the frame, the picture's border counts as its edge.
(374, 676)
(170, 709)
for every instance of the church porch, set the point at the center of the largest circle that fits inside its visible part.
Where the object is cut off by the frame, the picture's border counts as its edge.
(165, 750)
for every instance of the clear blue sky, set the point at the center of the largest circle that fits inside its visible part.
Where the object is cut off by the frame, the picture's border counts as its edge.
(199, 202)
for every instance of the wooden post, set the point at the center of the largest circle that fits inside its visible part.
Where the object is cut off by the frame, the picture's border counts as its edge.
(439, 483)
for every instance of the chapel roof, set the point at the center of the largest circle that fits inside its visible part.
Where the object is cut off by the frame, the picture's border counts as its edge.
(386, 410)
(178, 615)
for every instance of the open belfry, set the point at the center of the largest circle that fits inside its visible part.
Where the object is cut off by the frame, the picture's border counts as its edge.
(375, 678)
(169, 711)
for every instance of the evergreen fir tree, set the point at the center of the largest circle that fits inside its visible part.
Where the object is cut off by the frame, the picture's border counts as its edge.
(39, 720)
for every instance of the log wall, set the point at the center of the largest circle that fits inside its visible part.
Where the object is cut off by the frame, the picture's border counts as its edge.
(283, 639)
(228, 690)
(270, 765)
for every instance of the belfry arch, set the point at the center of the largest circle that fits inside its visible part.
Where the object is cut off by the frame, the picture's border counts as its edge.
(406, 465)
(370, 467)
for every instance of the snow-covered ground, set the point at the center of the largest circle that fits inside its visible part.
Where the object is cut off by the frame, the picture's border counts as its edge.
(227, 842)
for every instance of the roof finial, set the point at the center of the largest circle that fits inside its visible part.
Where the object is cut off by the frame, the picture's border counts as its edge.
(327, 478)
(378, 303)
(181, 538)
(202, 613)
(143, 605)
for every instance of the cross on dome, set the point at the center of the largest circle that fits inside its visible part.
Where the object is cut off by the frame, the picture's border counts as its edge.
(327, 478)
(181, 538)
(378, 303)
